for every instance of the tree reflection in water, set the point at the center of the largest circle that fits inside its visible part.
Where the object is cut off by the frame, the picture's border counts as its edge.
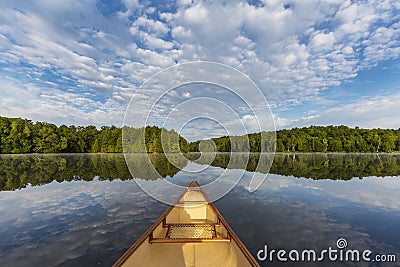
(17, 171)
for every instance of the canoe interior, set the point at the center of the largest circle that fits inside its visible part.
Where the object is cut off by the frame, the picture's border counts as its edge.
(190, 233)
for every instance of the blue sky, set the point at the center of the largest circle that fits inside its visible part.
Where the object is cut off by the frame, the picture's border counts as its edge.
(317, 62)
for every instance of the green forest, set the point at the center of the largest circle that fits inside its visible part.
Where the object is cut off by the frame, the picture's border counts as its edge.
(24, 136)
(320, 139)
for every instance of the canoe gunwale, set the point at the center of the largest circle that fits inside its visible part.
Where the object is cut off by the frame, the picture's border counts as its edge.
(162, 220)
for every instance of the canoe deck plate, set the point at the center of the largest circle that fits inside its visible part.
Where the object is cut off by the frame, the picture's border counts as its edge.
(191, 231)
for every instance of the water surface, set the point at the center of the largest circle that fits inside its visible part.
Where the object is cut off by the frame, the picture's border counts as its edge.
(86, 210)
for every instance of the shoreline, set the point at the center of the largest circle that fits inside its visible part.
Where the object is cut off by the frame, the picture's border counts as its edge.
(157, 153)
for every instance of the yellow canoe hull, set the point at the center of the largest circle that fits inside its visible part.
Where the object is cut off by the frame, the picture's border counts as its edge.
(190, 233)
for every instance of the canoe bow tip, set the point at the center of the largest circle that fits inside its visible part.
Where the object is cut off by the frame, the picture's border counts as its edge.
(194, 184)
(142, 251)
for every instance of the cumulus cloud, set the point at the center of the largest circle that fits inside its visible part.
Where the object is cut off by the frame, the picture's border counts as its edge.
(102, 53)
(370, 112)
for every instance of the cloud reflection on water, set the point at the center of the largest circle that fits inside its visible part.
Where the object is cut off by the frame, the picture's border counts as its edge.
(73, 223)
(83, 223)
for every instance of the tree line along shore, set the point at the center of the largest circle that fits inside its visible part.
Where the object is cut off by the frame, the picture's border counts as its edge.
(24, 136)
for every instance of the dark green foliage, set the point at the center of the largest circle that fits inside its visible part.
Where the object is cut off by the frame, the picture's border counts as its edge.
(153, 140)
(320, 139)
(23, 136)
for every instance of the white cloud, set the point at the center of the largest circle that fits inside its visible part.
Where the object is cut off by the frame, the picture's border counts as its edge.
(52, 105)
(322, 41)
(196, 14)
(381, 111)
(153, 58)
(155, 27)
(280, 59)
(180, 32)
(292, 52)
(154, 42)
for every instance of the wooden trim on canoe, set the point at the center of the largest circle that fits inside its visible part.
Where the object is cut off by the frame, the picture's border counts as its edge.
(142, 239)
(150, 231)
(232, 234)
(194, 185)
(190, 240)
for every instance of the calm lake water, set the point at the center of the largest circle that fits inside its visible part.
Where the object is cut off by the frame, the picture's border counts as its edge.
(86, 210)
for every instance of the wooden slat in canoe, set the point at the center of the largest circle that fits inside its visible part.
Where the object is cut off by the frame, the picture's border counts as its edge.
(190, 233)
